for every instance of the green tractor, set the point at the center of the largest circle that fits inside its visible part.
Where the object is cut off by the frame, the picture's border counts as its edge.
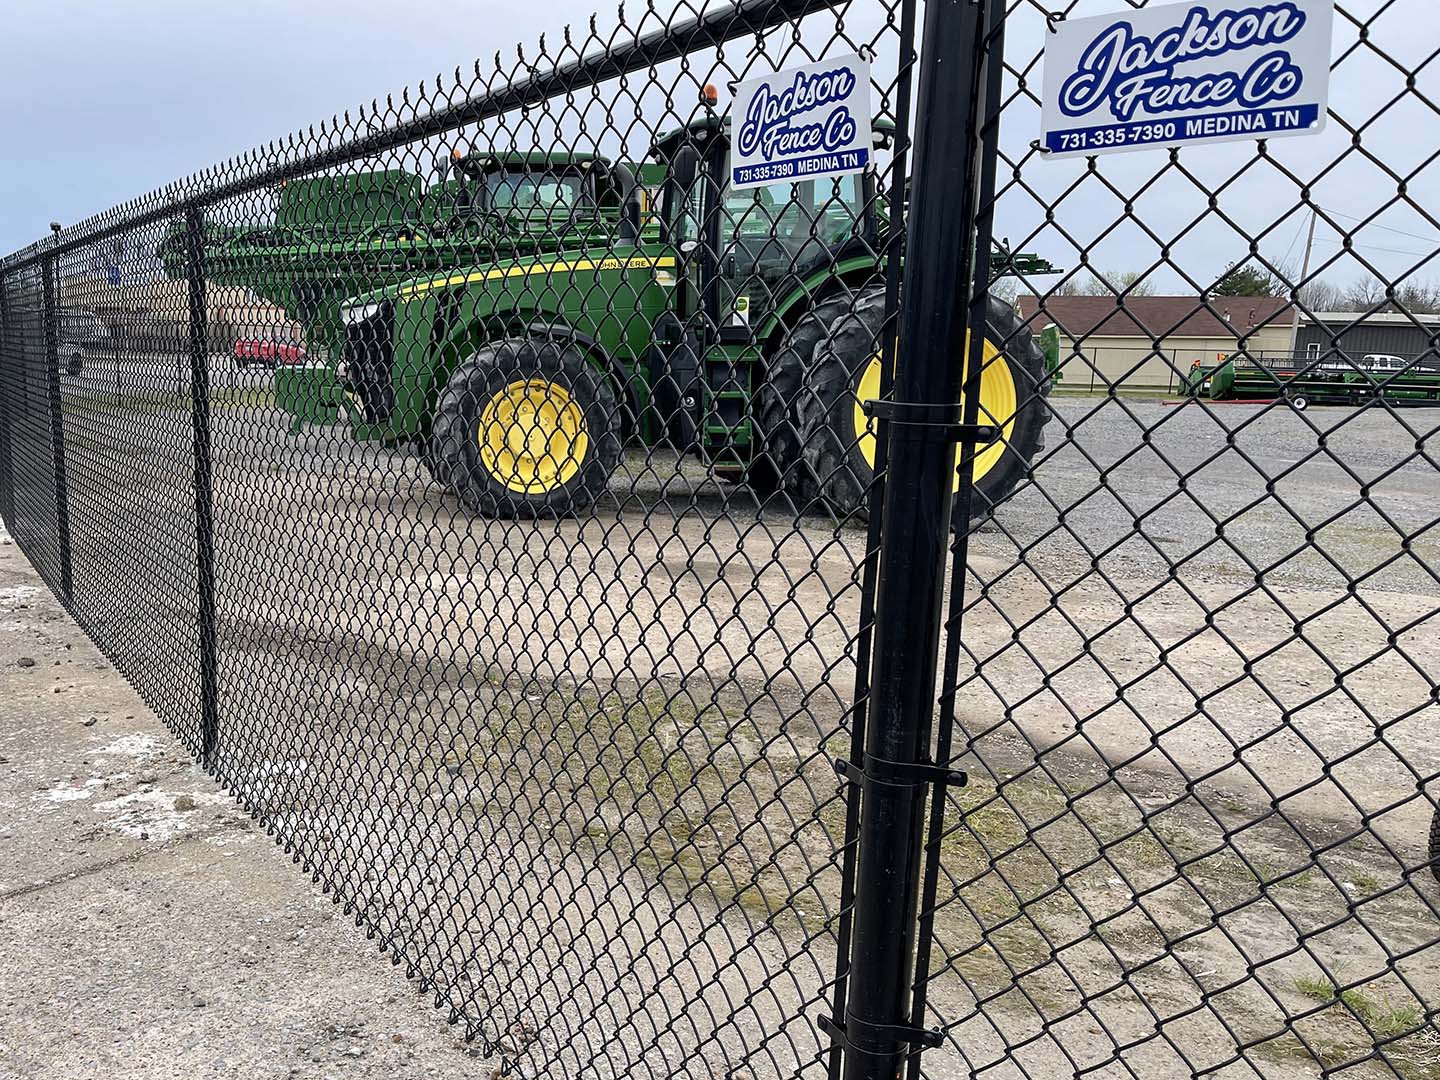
(746, 329)
(338, 235)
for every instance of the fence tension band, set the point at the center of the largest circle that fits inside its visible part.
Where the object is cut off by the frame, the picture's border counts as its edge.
(899, 773)
(899, 1033)
(920, 414)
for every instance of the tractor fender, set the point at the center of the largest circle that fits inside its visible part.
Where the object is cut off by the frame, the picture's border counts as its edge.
(818, 287)
(599, 357)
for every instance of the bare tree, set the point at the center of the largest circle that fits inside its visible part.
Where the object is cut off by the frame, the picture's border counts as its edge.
(1418, 298)
(1364, 294)
(1321, 295)
(1131, 282)
(1005, 288)
(1106, 283)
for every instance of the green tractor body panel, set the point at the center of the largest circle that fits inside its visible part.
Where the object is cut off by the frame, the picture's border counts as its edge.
(309, 395)
(610, 299)
(606, 299)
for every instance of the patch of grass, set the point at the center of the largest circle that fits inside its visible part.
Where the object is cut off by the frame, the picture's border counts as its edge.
(1366, 882)
(1316, 986)
(1393, 1021)
(1277, 877)
(1383, 1020)
(1301, 880)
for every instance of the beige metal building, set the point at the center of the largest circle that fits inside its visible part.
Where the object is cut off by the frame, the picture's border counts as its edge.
(155, 312)
(1151, 341)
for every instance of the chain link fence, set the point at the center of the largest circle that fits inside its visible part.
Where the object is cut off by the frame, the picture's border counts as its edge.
(549, 543)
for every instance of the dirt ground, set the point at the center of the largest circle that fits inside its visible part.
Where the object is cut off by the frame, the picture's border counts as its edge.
(150, 929)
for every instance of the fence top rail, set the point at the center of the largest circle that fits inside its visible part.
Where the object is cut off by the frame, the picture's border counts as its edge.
(376, 128)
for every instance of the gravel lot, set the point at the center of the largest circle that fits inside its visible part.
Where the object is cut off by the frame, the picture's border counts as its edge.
(1193, 655)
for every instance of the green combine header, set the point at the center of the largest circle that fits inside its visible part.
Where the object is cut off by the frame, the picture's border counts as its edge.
(1313, 381)
(337, 236)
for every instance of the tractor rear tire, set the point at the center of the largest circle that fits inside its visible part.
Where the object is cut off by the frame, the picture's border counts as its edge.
(1434, 851)
(779, 461)
(839, 441)
(424, 448)
(526, 428)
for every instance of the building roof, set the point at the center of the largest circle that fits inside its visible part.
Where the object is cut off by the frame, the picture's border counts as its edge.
(1157, 317)
(1372, 318)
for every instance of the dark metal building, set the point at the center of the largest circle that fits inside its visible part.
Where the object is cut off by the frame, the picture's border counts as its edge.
(1356, 335)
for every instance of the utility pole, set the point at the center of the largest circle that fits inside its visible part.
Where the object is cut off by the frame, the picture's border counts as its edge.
(1304, 274)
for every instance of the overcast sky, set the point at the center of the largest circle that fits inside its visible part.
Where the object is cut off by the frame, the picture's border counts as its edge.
(106, 101)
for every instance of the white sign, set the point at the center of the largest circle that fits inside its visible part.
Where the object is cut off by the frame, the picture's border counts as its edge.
(1187, 73)
(802, 123)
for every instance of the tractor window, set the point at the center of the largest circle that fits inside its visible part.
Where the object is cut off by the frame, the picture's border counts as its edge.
(827, 211)
(685, 210)
(534, 193)
(770, 234)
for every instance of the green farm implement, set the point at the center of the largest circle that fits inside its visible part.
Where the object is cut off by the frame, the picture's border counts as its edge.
(336, 236)
(1313, 381)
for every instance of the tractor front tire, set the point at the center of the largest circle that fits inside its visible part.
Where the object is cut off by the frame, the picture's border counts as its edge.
(526, 428)
(839, 439)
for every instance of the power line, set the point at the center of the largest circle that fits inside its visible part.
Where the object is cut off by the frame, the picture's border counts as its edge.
(1366, 224)
(1375, 247)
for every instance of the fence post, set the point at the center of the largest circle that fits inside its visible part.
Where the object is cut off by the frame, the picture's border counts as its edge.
(7, 397)
(57, 428)
(204, 503)
(895, 773)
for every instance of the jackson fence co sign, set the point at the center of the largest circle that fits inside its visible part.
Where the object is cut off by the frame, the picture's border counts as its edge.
(802, 123)
(1187, 73)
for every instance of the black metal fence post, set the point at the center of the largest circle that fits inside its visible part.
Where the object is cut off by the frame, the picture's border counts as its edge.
(7, 398)
(895, 773)
(204, 505)
(57, 428)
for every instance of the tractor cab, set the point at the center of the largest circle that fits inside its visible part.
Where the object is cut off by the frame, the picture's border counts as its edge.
(746, 261)
(536, 192)
(745, 252)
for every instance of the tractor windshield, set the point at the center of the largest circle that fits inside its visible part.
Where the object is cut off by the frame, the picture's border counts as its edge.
(771, 235)
(538, 194)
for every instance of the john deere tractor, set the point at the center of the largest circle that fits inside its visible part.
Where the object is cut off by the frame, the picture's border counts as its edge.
(747, 330)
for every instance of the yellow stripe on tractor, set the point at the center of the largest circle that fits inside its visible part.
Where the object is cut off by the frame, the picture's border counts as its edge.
(559, 266)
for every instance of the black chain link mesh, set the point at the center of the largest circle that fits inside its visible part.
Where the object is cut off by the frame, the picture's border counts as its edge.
(1192, 664)
(480, 488)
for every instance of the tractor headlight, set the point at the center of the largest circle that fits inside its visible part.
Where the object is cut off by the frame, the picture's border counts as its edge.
(352, 316)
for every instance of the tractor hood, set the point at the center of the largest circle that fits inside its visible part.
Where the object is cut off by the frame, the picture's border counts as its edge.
(578, 260)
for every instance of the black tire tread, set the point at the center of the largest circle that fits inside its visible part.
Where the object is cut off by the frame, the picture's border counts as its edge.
(448, 454)
(1434, 851)
(779, 398)
(851, 339)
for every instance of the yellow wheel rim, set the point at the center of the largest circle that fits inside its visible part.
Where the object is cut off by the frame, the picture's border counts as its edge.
(532, 436)
(997, 408)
